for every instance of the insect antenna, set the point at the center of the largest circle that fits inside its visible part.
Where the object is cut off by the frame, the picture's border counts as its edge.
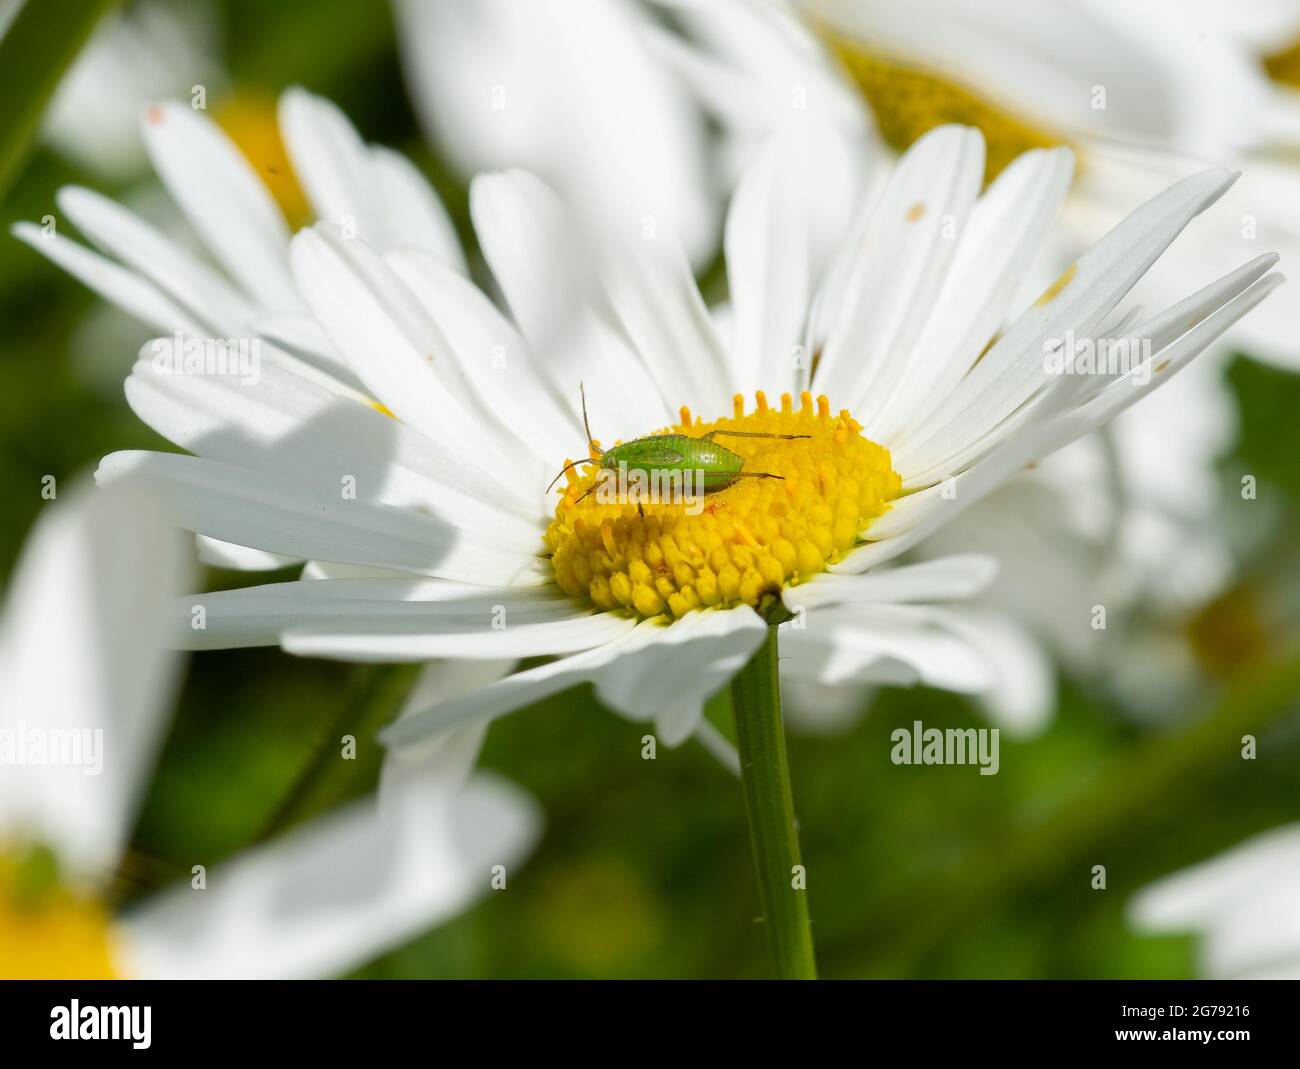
(582, 392)
(569, 467)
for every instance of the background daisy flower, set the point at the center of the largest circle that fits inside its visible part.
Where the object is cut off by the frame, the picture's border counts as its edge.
(81, 654)
(1240, 904)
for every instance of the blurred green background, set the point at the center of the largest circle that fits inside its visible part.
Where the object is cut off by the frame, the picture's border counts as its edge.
(645, 867)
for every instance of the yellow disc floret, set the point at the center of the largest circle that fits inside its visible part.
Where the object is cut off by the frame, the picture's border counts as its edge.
(47, 931)
(1284, 65)
(745, 542)
(251, 120)
(909, 100)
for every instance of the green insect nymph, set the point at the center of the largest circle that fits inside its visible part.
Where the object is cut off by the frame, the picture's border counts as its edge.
(652, 458)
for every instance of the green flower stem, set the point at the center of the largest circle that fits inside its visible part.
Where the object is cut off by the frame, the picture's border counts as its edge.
(39, 46)
(765, 776)
(325, 779)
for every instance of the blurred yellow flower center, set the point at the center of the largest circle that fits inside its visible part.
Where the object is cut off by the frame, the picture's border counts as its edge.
(251, 121)
(48, 932)
(1284, 66)
(747, 541)
(909, 101)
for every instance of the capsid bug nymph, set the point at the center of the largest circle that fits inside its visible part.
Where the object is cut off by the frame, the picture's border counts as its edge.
(731, 548)
(695, 467)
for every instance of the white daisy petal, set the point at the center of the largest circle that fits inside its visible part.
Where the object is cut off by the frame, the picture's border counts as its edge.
(451, 756)
(493, 354)
(654, 293)
(338, 891)
(706, 649)
(1196, 895)
(670, 678)
(268, 511)
(1022, 692)
(393, 607)
(526, 237)
(814, 708)
(545, 268)
(337, 594)
(948, 577)
(349, 182)
(1013, 369)
(416, 217)
(81, 651)
(402, 356)
(844, 643)
(1040, 436)
(903, 263)
(1126, 391)
(224, 199)
(217, 554)
(592, 110)
(192, 284)
(134, 295)
(547, 631)
(1241, 903)
(1007, 227)
(302, 336)
(330, 160)
(718, 746)
(770, 255)
(286, 424)
(513, 692)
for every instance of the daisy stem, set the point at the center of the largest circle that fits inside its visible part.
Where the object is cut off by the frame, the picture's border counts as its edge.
(765, 777)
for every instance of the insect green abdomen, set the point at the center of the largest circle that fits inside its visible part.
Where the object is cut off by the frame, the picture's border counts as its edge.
(718, 465)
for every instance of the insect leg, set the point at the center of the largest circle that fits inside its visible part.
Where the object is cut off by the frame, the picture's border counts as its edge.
(757, 475)
(750, 434)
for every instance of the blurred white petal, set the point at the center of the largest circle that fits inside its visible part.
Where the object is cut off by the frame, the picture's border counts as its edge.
(81, 650)
(340, 890)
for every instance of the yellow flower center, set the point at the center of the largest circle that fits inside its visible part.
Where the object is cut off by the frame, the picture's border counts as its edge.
(909, 101)
(250, 119)
(1284, 66)
(749, 540)
(48, 932)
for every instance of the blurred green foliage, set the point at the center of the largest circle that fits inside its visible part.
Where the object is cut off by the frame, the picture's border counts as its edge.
(645, 868)
(32, 63)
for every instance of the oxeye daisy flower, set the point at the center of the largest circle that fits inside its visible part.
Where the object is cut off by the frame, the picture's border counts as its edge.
(85, 686)
(240, 286)
(244, 284)
(429, 508)
(1244, 906)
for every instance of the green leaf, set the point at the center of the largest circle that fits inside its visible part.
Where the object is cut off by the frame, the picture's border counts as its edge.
(41, 43)
(1268, 399)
